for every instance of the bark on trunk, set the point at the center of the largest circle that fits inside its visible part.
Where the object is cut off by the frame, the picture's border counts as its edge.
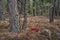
(1, 11)
(14, 16)
(34, 10)
(41, 7)
(51, 12)
(56, 7)
(25, 14)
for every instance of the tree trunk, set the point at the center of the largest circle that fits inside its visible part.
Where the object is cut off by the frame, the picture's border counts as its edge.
(51, 12)
(1, 11)
(14, 16)
(56, 7)
(19, 5)
(41, 7)
(25, 14)
(34, 10)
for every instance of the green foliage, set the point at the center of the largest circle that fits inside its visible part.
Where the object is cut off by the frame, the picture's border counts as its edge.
(4, 4)
(46, 5)
(30, 6)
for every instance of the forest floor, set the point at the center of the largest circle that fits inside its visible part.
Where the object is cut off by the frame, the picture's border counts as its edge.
(41, 22)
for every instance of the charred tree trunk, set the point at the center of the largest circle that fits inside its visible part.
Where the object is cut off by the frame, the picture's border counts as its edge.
(14, 16)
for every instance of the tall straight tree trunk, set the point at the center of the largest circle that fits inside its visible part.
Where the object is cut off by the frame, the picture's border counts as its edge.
(1, 11)
(41, 7)
(56, 7)
(52, 11)
(20, 11)
(25, 14)
(19, 5)
(14, 16)
(34, 10)
(23, 5)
